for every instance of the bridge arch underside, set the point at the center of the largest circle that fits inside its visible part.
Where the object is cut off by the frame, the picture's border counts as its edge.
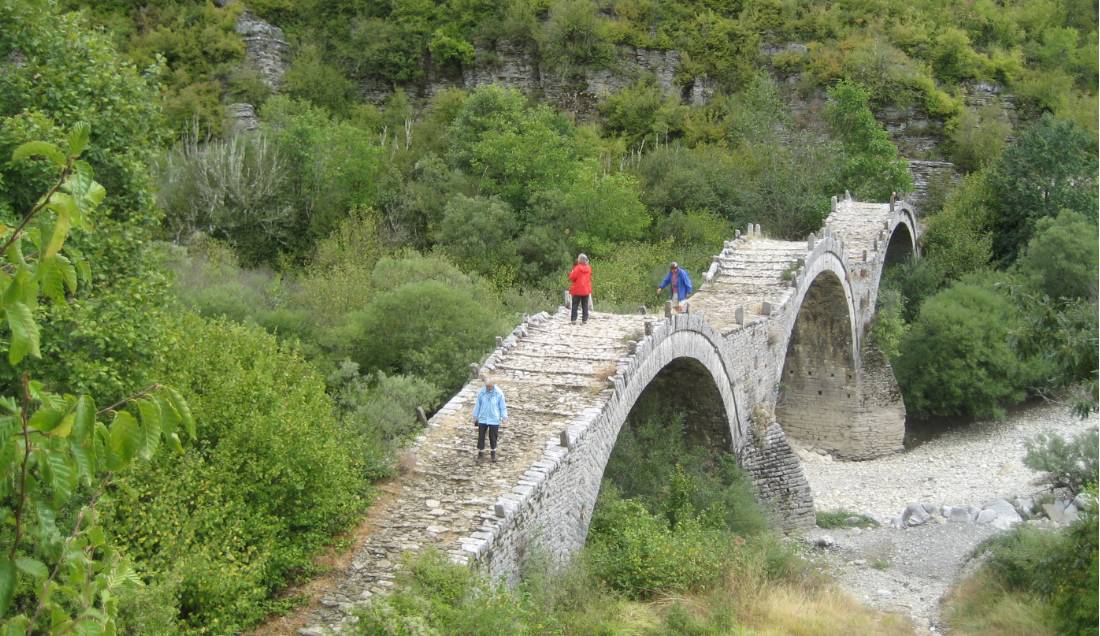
(902, 246)
(829, 398)
(685, 389)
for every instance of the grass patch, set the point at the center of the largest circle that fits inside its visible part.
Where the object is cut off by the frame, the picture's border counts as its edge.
(844, 519)
(983, 606)
(881, 564)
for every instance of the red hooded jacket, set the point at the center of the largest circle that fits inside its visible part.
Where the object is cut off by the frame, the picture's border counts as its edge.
(582, 280)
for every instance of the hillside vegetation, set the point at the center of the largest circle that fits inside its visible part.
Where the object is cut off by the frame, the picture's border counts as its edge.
(305, 286)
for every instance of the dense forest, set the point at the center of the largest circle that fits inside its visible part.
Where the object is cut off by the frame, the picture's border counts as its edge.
(265, 309)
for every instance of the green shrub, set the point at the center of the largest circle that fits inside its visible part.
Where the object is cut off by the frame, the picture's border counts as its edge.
(477, 233)
(959, 238)
(914, 281)
(977, 137)
(844, 519)
(1077, 566)
(1061, 258)
(873, 169)
(1071, 464)
(233, 189)
(1031, 181)
(1060, 567)
(381, 410)
(428, 329)
(677, 475)
(436, 596)
(958, 358)
(311, 78)
(575, 36)
(887, 329)
(642, 111)
(237, 517)
(72, 71)
(639, 553)
(245, 84)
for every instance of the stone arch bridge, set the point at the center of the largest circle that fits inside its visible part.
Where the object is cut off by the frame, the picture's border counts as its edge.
(774, 346)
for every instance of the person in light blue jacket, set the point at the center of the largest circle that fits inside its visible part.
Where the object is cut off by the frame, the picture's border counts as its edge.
(490, 414)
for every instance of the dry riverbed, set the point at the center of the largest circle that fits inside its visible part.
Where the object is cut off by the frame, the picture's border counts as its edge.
(908, 570)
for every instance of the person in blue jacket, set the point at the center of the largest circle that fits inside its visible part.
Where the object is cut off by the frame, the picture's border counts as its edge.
(490, 413)
(679, 284)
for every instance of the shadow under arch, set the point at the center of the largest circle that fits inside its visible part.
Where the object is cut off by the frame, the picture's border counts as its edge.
(819, 382)
(902, 246)
(678, 414)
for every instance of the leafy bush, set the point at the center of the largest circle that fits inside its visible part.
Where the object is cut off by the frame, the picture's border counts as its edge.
(426, 328)
(477, 233)
(655, 462)
(231, 189)
(844, 519)
(958, 358)
(59, 572)
(873, 169)
(977, 137)
(575, 36)
(914, 281)
(1061, 258)
(888, 327)
(234, 519)
(639, 553)
(311, 78)
(642, 111)
(1059, 567)
(1071, 464)
(1032, 181)
(381, 409)
(436, 596)
(959, 238)
(71, 71)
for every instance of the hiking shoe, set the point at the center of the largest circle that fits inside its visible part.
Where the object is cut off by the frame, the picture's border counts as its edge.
(493, 457)
(480, 456)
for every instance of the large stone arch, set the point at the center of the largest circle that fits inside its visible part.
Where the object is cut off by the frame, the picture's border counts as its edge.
(552, 513)
(690, 346)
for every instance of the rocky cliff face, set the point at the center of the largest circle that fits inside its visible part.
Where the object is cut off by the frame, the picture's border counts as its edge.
(265, 47)
(509, 65)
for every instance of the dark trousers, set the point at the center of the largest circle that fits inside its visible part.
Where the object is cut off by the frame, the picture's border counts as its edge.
(579, 302)
(493, 430)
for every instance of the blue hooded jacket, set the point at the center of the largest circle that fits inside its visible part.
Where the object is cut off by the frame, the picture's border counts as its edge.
(490, 407)
(683, 288)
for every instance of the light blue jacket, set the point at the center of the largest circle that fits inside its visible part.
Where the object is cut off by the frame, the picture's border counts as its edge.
(490, 407)
(683, 288)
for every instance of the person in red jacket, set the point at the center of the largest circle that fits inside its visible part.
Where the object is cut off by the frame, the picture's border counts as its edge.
(581, 289)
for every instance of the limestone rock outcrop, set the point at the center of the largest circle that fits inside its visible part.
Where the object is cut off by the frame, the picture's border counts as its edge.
(266, 48)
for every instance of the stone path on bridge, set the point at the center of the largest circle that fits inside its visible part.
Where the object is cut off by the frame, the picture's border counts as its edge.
(755, 272)
(551, 374)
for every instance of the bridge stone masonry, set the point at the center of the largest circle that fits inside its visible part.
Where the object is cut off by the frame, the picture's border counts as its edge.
(774, 346)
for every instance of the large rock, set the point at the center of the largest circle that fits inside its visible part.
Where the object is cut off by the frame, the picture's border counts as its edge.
(242, 117)
(915, 515)
(265, 47)
(960, 514)
(1000, 514)
(1055, 511)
